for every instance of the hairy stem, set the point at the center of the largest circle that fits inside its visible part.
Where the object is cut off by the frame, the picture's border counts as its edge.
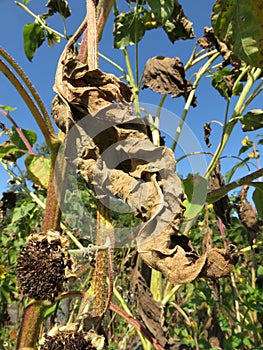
(48, 135)
(30, 87)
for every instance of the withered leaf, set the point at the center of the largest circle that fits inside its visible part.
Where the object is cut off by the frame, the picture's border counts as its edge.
(247, 215)
(221, 207)
(167, 76)
(149, 311)
(207, 133)
(219, 263)
(209, 41)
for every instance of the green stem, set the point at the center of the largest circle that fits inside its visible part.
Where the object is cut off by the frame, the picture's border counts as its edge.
(199, 75)
(40, 21)
(49, 137)
(107, 59)
(238, 110)
(30, 87)
(127, 310)
(132, 81)
(193, 61)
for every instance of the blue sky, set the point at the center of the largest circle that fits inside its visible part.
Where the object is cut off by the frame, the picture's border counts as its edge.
(41, 71)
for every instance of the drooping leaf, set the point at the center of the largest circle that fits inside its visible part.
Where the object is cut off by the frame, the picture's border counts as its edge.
(257, 198)
(177, 25)
(7, 108)
(162, 9)
(222, 206)
(207, 133)
(30, 135)
(128, 29)
(252, 120)
(60, 6)
(238, 23)
(38, 168)
(33, 36)
(167, 76)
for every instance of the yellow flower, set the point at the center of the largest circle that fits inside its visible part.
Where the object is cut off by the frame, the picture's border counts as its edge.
(245, 142)
(2, 272)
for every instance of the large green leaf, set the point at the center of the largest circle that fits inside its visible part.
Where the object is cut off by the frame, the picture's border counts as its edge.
(129, 29)
(257, 198)
(252, 120)
(238, 23)
(38, 168)
(33, 36)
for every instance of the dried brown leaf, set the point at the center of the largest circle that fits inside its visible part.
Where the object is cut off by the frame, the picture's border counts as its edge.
(207, 133)
(167, 76)
(221, 207)
(247, 215)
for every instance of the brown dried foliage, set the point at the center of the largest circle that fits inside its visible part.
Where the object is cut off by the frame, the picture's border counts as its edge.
(167, 76)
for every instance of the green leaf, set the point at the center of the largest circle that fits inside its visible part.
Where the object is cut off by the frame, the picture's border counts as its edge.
(244, 148)
(7, 108)
(128, 29)
(60, 6)
(253, 120)
(195, 188)
(38, 168)
(33, 36)
(30, 135)
(232, 171)
(257, 198)
(22, 211)
(26, 1)
(238, 23)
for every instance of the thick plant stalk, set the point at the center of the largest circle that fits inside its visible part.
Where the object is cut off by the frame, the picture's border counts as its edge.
(89, 53)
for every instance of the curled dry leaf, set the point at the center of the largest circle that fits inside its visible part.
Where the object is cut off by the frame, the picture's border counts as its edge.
(209, 41)
(207, 133)
(111, 150)
(222, 207)
(167, 76)
(247, 215)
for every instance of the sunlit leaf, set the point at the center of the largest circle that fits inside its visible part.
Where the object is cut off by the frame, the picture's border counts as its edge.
(257, 198)
(38, 168)
(128, 29)
(195, 187)
(238, 23)
(7, 108)
(252, 120)
(33, 36)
